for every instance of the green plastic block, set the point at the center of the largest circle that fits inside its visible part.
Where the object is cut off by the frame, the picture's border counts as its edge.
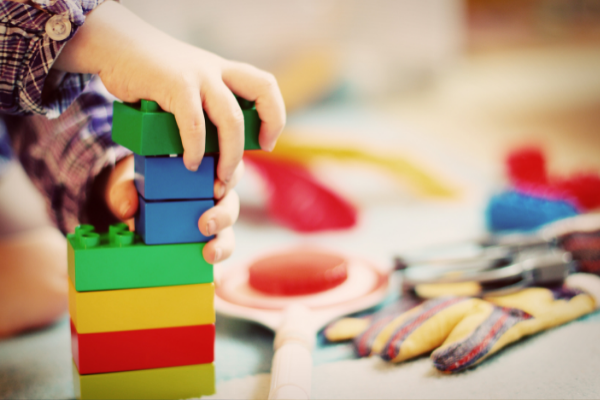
(160, 383)
(119, 259)
(148, 131)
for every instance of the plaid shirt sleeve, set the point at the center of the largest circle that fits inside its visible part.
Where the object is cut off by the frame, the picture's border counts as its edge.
(27, 53)
(63, 156)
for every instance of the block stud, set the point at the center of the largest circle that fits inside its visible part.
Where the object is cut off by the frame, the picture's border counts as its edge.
(124, 238)
(89, 239)
(82, 229)
(115, 229)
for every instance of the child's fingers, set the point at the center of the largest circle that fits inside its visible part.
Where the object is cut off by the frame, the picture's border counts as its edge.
(224, 111)
(221, 247)
(187, 108)
(120, 192)
(260, 86)
(221, 216)
(124, 200)
(221, 189)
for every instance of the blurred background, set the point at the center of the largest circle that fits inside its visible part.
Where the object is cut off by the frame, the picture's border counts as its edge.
(401, 114)
(477, 75)
(432, 94)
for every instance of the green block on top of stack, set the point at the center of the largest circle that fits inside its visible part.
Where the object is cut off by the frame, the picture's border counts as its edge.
(148, 131)
(119, 259)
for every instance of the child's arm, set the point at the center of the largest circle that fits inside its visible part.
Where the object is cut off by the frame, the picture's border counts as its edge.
(136, 61)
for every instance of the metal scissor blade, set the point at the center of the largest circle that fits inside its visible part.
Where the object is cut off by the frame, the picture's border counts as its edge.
(535, 267)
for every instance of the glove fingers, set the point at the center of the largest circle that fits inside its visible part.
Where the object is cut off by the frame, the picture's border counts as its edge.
(587, 283)
(346, 329)
(459, 355)
(550, 307)
(476, 338)
(466, 330)
(366, 343)
(423, 330)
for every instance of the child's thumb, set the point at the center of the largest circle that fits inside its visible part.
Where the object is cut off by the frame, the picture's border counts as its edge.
(120, 193)
(123, 200)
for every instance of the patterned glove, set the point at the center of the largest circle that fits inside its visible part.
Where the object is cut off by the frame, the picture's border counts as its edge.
(463, 331)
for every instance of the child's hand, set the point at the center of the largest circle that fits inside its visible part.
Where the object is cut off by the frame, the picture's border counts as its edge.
(121, 198)
(136, 61)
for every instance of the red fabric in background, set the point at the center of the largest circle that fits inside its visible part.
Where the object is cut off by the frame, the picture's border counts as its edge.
(297, 200)
(527, 172)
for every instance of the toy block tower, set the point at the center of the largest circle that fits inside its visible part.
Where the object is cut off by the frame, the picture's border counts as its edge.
(141, 303)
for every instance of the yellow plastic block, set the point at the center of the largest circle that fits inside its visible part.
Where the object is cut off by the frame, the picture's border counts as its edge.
(146, 308)
(161, 383)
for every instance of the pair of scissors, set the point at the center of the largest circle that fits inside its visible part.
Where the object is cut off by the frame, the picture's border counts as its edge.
(500, 264)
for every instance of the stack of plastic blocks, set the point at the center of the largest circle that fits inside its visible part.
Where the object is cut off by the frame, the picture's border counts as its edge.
(141, 303)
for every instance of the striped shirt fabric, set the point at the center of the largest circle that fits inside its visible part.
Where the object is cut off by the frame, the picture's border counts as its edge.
(57, 124)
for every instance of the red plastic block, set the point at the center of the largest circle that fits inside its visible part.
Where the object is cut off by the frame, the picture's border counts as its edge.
(142, 349)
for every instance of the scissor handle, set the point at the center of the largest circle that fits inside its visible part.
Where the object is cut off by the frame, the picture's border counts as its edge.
(292, 363)
(539, 267)
(585, 249)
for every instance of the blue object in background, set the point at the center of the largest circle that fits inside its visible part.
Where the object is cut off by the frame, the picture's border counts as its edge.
(166, 178)
(164, 222)
(514, 211)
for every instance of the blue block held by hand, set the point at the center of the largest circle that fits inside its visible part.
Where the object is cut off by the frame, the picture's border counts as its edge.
(167, 178)
(167, 222)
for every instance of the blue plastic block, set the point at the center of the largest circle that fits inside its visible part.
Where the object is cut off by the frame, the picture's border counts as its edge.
(165, 222)
(514, 211)
(166, 178)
